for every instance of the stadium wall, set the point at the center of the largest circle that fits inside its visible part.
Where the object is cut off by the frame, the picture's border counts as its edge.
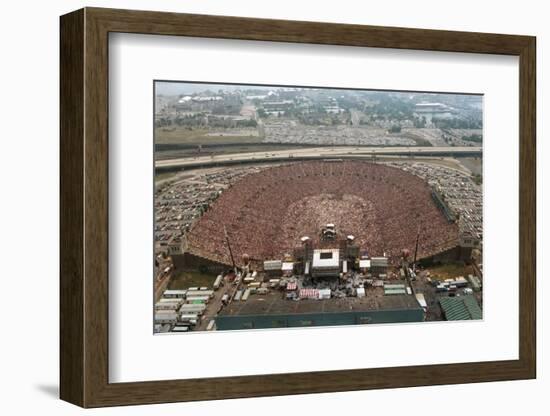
(189, 261)
(454, 254)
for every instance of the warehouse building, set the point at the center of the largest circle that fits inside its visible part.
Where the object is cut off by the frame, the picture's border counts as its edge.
(460, 308)
(271, 311)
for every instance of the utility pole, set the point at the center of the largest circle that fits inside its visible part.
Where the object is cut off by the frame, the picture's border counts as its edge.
(230, 251)
(416, 248)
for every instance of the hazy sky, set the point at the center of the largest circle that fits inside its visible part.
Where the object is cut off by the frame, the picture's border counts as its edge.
(179, 87)
(176, 88)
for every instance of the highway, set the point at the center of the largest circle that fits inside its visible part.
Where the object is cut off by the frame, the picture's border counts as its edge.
(311, 153)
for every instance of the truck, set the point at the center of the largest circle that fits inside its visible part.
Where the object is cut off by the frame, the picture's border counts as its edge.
(441, 288)
(166, 317)
(167, 306)
(192, 308)
(193, 299)
(180, 328)
(422, 301)
(192, 293)
(218, 282)
(170, 300)
(460, 282)
(190, 318)
(225, 299)
(170, 294)
(475, 282)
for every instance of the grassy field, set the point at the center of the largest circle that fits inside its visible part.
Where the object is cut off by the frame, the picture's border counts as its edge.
(184, 280)
(181, 135)
(419, 140)
(165, 175)
(473, 164)
(449, 271)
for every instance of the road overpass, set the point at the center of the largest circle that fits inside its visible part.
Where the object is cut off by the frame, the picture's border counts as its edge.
(316, 153)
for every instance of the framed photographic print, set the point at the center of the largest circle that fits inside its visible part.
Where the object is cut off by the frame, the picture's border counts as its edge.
(256, 207)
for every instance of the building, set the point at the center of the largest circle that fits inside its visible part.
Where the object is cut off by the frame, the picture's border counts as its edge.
(326, 263)
(272, 311)
(379, 266)
(277, 107)
(460, 308)
(273, 268)
(431, 108)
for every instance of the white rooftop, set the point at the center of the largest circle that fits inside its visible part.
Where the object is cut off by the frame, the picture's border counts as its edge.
(364, 264)
(326, 258)
(287, 266)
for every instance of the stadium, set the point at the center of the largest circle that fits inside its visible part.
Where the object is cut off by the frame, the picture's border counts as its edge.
(265, 214)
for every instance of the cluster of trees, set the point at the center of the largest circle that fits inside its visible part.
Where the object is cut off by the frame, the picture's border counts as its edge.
(457, 123)
(323, 120)
(163, 122)
(233, 108)
(477, 178)
(419, 122)
(392, 108)
(476, 138)
(202, 120)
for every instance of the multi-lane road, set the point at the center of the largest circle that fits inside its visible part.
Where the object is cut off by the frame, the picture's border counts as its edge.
(343, 152)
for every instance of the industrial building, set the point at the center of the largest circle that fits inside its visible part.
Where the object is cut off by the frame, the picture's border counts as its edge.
(272, 311)
(460, 308)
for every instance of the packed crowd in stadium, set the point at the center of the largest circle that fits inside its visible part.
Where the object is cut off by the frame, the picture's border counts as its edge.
(265, 214)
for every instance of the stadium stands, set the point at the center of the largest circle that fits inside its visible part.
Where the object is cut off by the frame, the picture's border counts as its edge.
(266, 213)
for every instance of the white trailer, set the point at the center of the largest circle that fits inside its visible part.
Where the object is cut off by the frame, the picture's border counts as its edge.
(170, 300)
(166, 317)
(460, 282)
(191, 293)
(194, 308)
(422, 301)
(190, 318)
(168, 306)
(324, 293)
(180, 328)
(170, 294)
(246, 294)
(211, 325)
(193, 299)
(218, 282)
